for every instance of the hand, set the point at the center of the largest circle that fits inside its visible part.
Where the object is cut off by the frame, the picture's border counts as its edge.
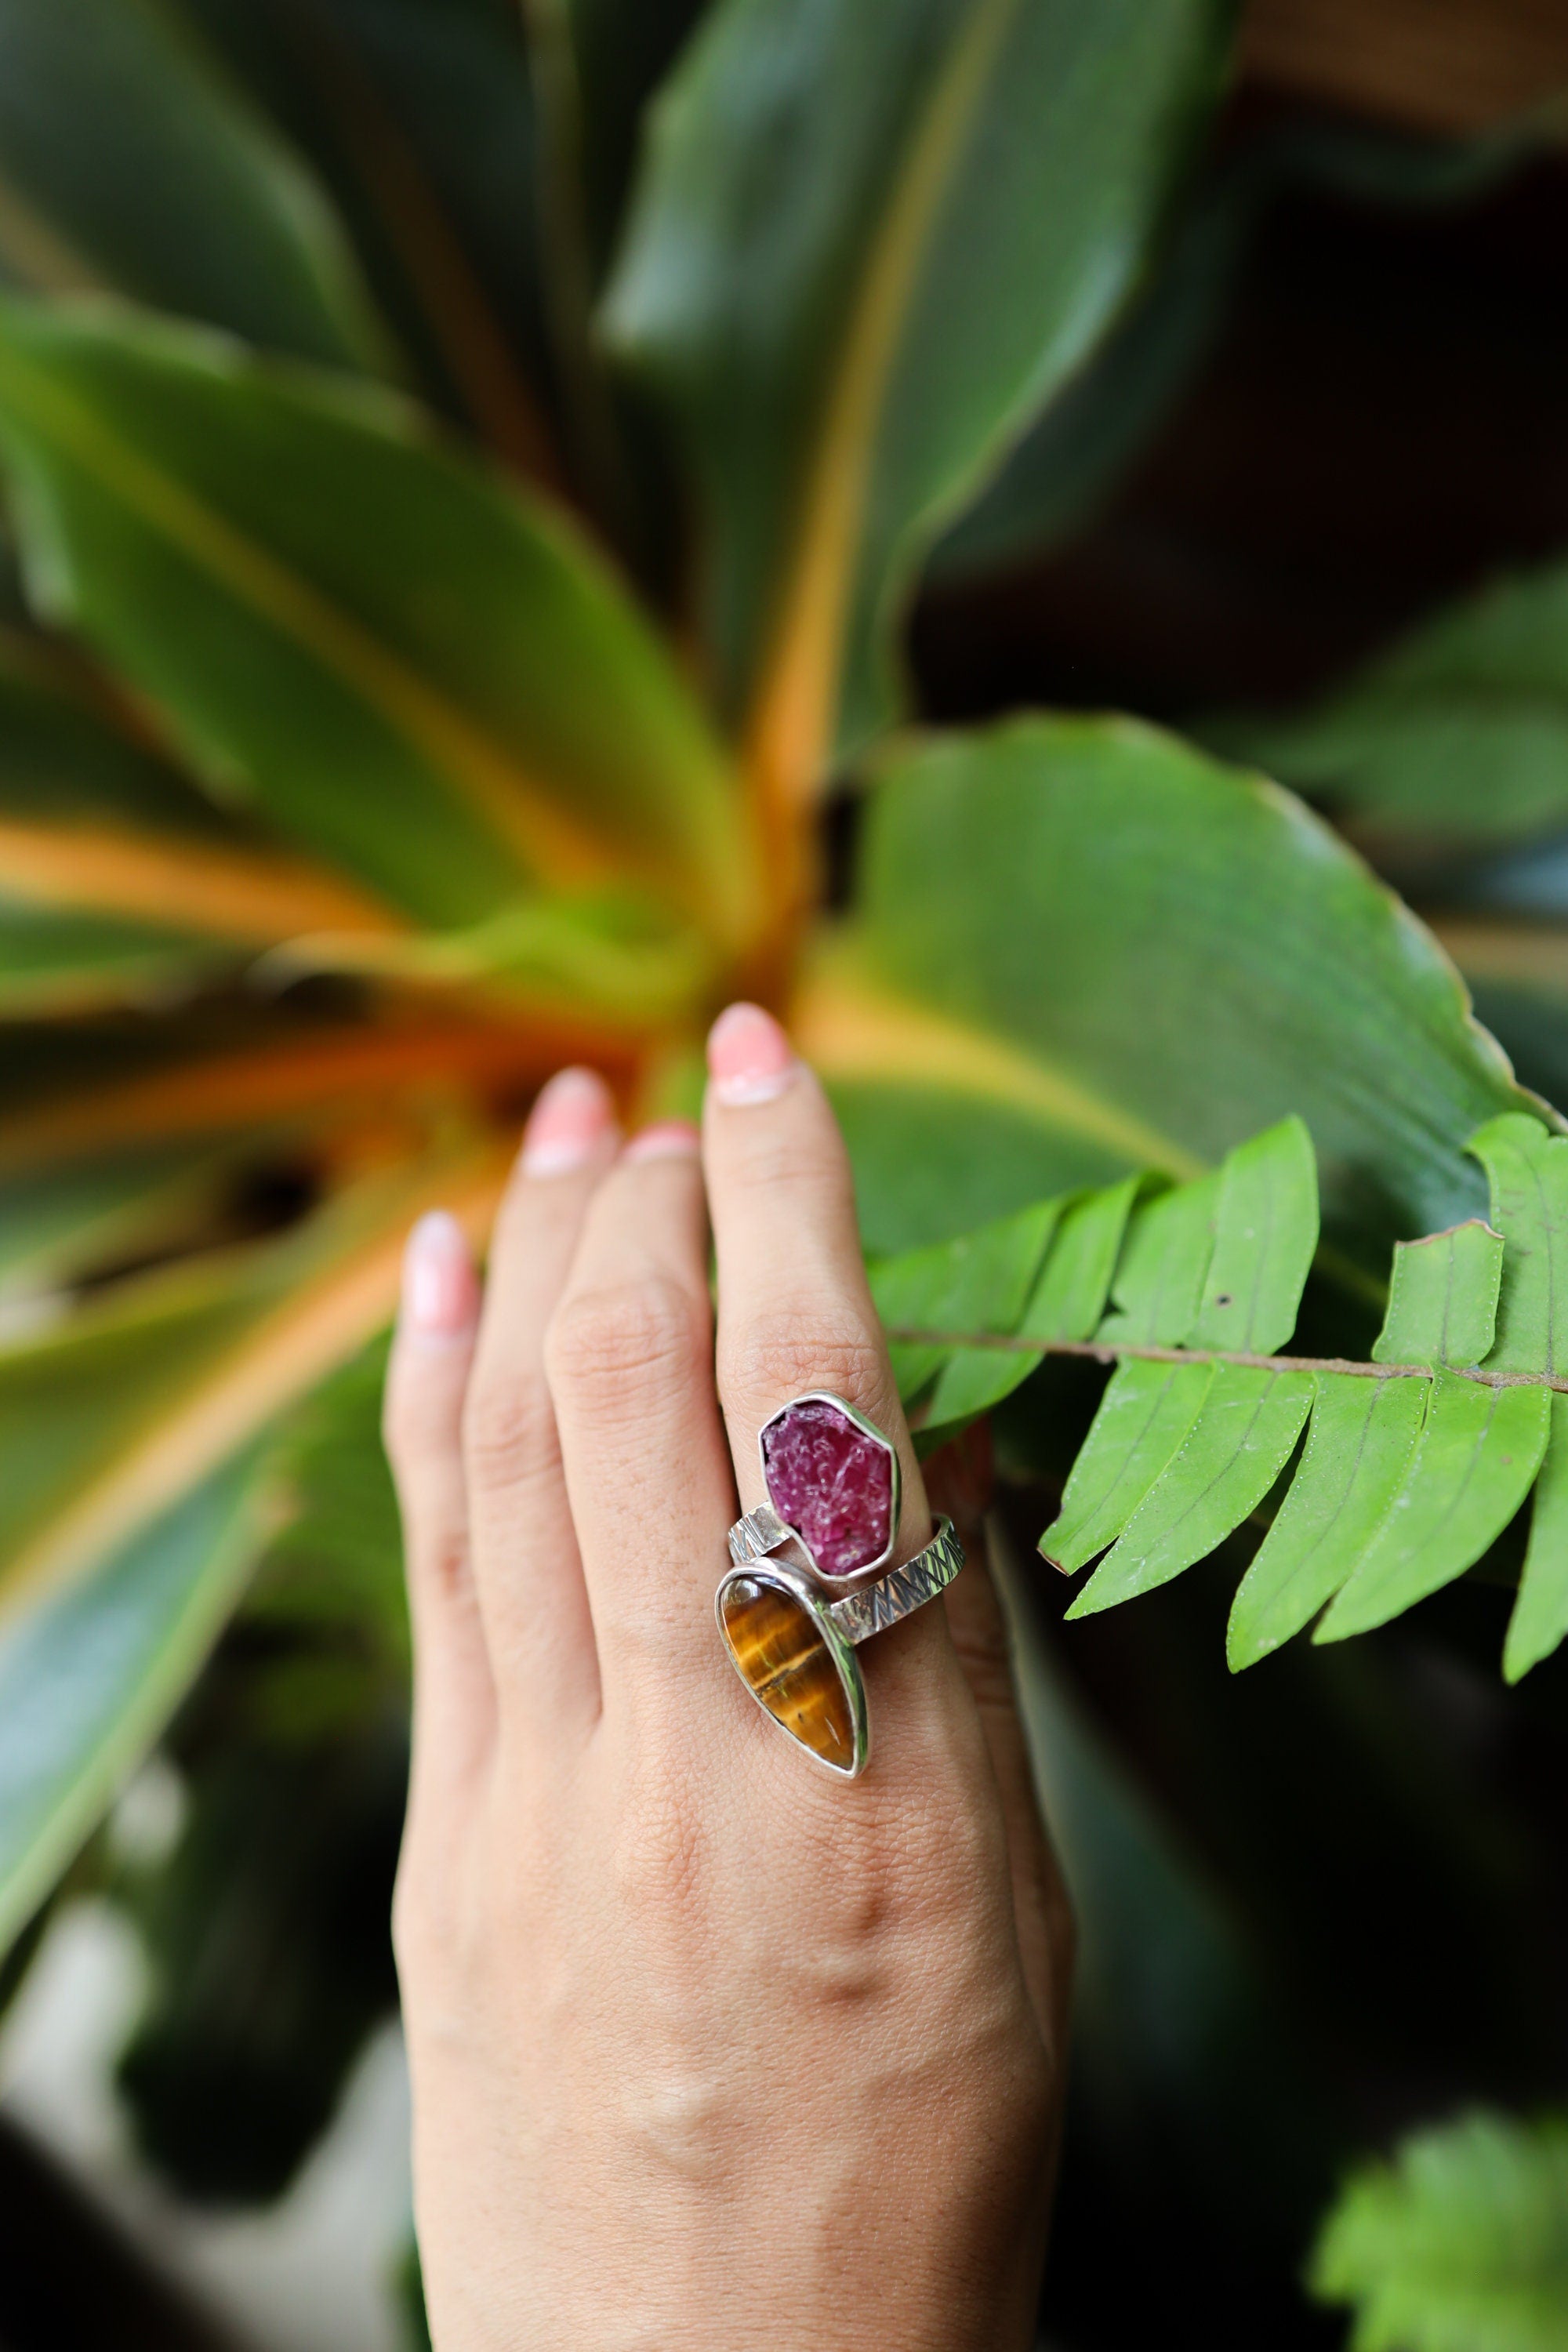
(710, 2051)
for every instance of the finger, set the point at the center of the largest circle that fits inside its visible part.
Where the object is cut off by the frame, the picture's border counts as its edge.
(427, 1377)
(795, 1310)
(528, 1570)
(631, 1372)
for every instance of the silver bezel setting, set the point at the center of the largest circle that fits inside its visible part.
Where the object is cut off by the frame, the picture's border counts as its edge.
(839, 1648)
(868, 1429)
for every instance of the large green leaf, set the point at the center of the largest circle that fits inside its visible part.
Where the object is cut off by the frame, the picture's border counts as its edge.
(1459, 2244)
(66, 753)
(406, 666)
(127, 160)
(88, 1681)
(1461, 730)
(872, 237)
(620, 52)
(417, 116)
(1081, 946)
(1077, 451)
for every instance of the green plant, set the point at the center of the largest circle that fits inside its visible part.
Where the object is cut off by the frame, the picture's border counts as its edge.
(468, 470)
(1462, 2239)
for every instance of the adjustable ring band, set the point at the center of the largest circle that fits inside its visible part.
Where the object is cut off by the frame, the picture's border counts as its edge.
(793, 1647)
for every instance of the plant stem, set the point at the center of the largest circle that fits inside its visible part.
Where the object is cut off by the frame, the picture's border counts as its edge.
(1111, 1351)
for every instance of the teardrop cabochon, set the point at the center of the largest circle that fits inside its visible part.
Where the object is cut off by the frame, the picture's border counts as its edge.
(796, 1663)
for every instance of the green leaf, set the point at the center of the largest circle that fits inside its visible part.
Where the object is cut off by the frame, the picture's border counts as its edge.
(409, 669)
(1144, 1416)
(1161, 1274)
(1068, 462)
(1069, 1299)
(53, 963)
(126, 159)
(852, 301)
(1360, 1441)
(55, 1221)
(621, 51)
(66, 753)
(1460, 2244)
(1231, 1456)
(1478, 1453)
(1266, 1230)
(1443, 1300)
(1528, 1171)
(1462, 730)
(1539, 1618)
(1118, 954)
(980, 1282)
(418, 117)
(88, 1681)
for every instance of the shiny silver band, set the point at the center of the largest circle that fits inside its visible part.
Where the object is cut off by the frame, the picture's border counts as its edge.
(902, 1591)
(762, 1531)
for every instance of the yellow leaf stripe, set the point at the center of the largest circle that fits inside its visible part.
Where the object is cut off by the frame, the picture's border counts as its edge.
(324, 1323)
(791, 723)
(193, 886)
(849, 1029)
(248, 1088)
(517, 805)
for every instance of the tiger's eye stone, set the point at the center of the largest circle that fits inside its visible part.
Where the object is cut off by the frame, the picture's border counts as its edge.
(779, 1649)
(832, 1482)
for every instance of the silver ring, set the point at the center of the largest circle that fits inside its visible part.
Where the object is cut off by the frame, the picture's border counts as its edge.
(815, 1452)
(793, 1647)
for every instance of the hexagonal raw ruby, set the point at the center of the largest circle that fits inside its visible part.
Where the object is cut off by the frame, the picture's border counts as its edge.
(832, 1482)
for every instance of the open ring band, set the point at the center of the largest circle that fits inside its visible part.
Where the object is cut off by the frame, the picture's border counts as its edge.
(793, 1647)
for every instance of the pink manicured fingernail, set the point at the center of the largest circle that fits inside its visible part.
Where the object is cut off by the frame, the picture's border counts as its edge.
(672, 1139)
(440, 1289)
(749, 1056)
(573, 1113)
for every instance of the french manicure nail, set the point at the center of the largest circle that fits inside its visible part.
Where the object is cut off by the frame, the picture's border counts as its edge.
(572, 1114)
(440, 1289)
(671, 1138)
(749, 1056)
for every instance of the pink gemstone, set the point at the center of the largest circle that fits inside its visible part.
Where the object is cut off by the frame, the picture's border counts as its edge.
(831, 1483)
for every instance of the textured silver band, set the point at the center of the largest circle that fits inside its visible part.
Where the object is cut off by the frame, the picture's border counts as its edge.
(760, 1532)
(876, 1606)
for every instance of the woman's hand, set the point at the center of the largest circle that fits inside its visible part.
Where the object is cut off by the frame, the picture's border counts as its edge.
(710, 2051)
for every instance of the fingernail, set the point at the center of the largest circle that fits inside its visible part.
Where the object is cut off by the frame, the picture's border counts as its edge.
(440, 1289)
(749, 1056)
(572, 1114)
(672, 1139)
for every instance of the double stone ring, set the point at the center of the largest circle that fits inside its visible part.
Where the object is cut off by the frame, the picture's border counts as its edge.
(833, 1486)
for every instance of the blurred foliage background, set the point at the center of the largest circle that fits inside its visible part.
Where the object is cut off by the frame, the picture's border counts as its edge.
(481, 484)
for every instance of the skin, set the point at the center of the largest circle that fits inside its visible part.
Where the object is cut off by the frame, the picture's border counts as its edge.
(710, 2051)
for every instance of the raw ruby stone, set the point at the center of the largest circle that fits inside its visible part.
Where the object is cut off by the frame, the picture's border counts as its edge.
(831, 1483)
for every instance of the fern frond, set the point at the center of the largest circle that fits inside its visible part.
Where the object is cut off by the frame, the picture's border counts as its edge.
(1413, 1463)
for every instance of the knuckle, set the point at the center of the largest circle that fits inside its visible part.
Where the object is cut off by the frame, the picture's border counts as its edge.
(510, 1437)
(605, 1343)
(789, 1349)
(807, 1164)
